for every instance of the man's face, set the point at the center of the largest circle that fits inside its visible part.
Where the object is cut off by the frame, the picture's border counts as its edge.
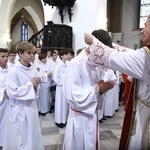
(3, 59)
(64, 57)
(69, 56)
(49, 54)
(54, 57)
(146, 32)
(12, 57)
(33, 57)
(43, 60)
(38, 50)
(26, 57)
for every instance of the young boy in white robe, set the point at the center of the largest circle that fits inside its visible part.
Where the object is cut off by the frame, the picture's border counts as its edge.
(34, 72)
(22, 127)
(61, 106)
(53, 63)
(45, 98)
(109, 96)
(11, 58)
(3, 94)
(83, 88)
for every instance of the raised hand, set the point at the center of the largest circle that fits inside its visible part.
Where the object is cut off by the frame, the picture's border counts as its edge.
(88, 38)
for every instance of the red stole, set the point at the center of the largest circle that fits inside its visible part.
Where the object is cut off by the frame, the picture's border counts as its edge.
(127, 124)
(126, 90)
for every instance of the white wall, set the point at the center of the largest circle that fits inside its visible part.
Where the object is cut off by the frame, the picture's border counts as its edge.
(87, 16)
(130, 37)
(16, 35)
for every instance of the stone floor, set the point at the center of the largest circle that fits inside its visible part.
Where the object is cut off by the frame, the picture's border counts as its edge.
(110, 131)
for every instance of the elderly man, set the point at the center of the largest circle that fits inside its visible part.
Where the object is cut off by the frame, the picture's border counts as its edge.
(136, 128)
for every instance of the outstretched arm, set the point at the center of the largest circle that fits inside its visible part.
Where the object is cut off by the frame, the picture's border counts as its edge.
(125, 60)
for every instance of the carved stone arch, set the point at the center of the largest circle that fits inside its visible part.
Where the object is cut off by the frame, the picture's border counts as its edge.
(8, 12)
(23, 15)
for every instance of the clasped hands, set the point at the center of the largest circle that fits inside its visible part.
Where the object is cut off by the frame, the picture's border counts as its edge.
(105, 86)
(36, 81)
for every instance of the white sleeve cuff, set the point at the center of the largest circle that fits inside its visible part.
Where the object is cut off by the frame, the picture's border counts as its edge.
(29, 83)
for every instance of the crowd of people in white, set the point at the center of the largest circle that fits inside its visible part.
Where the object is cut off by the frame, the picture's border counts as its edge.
(51, 70)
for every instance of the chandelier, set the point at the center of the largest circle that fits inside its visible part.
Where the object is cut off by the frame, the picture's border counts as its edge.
(62, 5)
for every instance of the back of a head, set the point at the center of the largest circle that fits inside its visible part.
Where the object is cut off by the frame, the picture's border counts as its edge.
(79, 50)
(103, 36)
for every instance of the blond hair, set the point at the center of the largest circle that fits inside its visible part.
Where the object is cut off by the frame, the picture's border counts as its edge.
(25, 46)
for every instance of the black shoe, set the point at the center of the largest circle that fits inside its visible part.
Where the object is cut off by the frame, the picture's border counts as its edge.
(59, 125)
(116, 110)
(108, 116)
(51, 111)
(100, 121)
(103, 118)
(42, 114)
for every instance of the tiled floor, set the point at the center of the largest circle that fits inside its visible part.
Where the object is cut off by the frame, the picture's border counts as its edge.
(110, 131)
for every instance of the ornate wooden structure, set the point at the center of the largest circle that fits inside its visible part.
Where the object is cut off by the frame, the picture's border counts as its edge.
(53, 36)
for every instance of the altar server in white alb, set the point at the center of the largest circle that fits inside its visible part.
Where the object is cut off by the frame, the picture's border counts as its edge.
(3, 96)
(45, 97)
(34, 72)
(11, 58)
(83, 88)
(22, 126)
(109, 96)
(61, 106)
(135, 63)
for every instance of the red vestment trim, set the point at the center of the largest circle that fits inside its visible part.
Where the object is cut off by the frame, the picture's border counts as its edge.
(127, 124)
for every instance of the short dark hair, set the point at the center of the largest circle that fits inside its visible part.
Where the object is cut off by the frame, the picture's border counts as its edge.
(42, 56)
(71, 52)
(3, 50)
(103, 36)
(62, 52)
(54, 52)
(12, 51)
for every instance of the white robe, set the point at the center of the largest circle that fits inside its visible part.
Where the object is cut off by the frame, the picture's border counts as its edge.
(4, 103)
(10, 64)
(137, 65)
(35, 73)
(22, 126)
(116, 88)
(82, 94)
(101, 75)
(109, 96)
(61, 106)
(45, 97)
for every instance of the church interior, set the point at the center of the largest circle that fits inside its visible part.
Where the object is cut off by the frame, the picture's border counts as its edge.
(47, 25)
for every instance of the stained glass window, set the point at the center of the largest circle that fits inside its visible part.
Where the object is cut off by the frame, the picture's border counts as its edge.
(24, 31)
(144, 12)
